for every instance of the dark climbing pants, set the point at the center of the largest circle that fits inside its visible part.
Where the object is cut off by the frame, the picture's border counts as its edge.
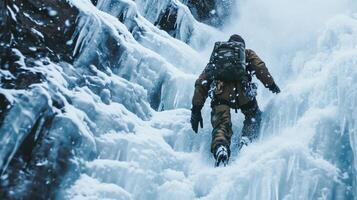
(222, 124)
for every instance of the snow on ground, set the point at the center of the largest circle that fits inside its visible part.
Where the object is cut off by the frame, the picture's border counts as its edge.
(308, 140)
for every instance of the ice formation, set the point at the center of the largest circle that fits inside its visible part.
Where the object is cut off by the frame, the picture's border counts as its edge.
(105, 114)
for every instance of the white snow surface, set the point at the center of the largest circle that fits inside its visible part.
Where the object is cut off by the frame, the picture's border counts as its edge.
(308, 143)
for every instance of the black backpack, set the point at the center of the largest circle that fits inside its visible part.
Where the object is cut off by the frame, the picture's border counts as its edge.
(228, 62)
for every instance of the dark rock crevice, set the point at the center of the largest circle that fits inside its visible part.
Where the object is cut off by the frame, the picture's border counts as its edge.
(155, 96)
(5, 106)
(167, 20)
(15, 180)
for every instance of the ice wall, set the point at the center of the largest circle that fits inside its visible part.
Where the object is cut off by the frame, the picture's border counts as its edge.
(116, 67)
(307, 144)
(130, 46)
(96, 113)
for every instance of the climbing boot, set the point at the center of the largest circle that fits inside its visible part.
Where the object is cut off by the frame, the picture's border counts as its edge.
(221, 156)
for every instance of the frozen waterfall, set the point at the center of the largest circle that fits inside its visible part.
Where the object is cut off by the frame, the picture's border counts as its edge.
(124, 103)
(308, 141)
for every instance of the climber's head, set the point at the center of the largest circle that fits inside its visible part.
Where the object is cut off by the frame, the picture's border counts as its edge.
(236, 38)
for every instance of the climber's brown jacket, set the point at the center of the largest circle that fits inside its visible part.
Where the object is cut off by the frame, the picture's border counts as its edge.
(227, 92)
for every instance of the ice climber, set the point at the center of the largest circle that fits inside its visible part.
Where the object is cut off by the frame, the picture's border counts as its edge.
(227, 80)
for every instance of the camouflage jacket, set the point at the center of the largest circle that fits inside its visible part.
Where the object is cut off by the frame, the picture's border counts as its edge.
(229, 90)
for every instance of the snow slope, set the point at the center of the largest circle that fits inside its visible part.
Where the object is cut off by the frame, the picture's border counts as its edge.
(127, 97)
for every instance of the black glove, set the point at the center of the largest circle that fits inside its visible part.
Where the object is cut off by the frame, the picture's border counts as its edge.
(274, 88)
(196, 118)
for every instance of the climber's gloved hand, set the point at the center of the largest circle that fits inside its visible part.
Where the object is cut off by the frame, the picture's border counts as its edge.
(274, 88)
(196, 118)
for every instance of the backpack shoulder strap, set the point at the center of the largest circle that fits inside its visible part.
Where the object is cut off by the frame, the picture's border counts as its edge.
(217, 45)
(215, 48)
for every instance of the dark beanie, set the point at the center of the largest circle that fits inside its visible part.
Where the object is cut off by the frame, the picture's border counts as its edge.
(236, 38)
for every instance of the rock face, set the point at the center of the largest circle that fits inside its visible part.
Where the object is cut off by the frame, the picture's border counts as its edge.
(211, 12)
(40, 28)
(36, 151)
